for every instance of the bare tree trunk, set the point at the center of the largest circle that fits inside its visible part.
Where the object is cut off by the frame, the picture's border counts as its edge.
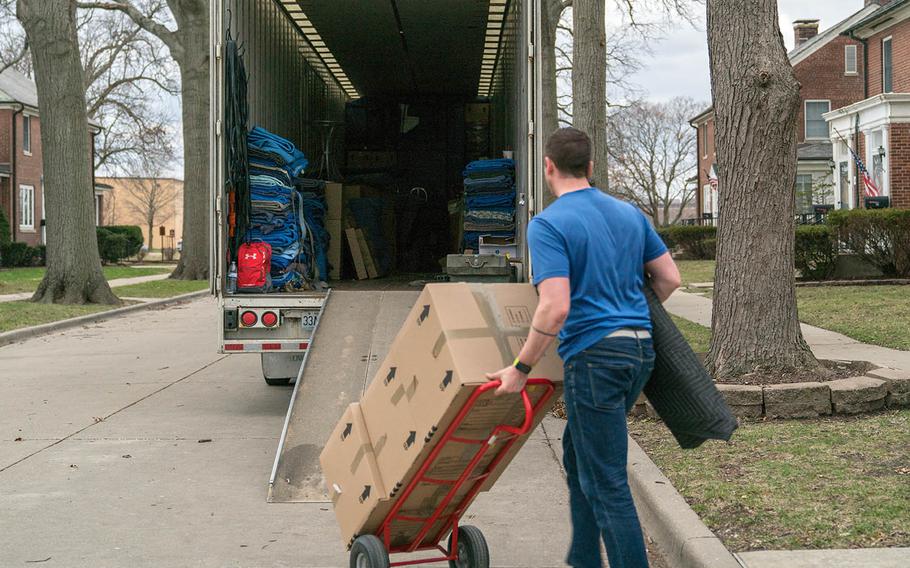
(189, 46)
(552, 11)
(589, 80)
(756, 99)
(193, 25)
(73, 273)
(194, 258)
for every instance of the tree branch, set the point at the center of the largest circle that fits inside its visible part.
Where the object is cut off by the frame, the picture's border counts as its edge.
(169, 38)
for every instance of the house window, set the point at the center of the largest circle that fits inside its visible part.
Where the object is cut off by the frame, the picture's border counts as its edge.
(26, 207)
(27, 134)
(850, 60)
(816, 127)
(804, 193)
(886, 65)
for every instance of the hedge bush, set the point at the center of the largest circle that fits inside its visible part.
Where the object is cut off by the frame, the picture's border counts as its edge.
(666, 234)
(816, 251)
(18, 255)
(880, 237)
(133, 235)
(696, 242)
(112, 247)
(4, 229)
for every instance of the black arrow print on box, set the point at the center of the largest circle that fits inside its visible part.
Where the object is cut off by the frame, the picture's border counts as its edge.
(366, 493)
(446, 381)
(391, 376)
(412, 437)
(423, 315)
(347, 431)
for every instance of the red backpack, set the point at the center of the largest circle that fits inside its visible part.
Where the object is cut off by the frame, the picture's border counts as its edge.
(254, 262)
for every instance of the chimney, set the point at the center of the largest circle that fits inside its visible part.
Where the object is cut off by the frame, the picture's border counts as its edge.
(803, 31)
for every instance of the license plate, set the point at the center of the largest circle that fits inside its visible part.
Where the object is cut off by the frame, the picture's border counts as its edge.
(308, 320)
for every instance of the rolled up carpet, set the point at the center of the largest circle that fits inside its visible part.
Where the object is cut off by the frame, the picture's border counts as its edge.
(680, 389)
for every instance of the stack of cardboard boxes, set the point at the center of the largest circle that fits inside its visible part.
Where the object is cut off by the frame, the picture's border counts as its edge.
(454, 335)
(337, 197)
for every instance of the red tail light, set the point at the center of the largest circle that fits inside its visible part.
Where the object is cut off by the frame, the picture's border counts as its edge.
(249, 319)
(269, 319)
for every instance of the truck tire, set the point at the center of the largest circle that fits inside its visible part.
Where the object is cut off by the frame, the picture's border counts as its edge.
(277, 382)
(369, 552)
(472, 549)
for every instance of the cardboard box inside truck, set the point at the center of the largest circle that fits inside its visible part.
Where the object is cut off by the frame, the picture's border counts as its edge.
(453, 336)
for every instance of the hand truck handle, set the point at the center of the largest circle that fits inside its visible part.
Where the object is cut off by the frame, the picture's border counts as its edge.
(526, 401)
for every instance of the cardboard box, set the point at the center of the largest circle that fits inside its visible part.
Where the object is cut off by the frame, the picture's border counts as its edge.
(333, 201)
(337, 197)
(477, 113)
(454, 335)
(352, 476)
(336, 246)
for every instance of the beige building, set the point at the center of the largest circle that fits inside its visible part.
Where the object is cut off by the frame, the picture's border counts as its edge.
(143, 202)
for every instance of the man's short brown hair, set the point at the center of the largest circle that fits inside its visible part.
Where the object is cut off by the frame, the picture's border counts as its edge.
(570, 150)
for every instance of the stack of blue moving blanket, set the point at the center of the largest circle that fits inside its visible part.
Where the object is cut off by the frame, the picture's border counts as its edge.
(489, 187)
(289, 218)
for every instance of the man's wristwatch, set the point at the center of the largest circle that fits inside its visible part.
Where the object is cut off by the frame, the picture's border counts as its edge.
(525, 369)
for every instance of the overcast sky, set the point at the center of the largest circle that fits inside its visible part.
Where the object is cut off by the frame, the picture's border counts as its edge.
(679, 64)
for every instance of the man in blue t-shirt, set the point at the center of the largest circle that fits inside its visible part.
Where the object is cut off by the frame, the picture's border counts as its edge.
(589, 254)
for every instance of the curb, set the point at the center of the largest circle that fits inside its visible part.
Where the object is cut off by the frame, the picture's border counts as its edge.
(683, 538)
(29, 332)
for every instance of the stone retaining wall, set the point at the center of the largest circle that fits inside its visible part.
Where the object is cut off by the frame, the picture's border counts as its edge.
(878, 389)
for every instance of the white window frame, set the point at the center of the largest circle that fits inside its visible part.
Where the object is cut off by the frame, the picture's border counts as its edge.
(806, 119)
(847, 70)
(891, 43)
(26, 213)
(27, 140)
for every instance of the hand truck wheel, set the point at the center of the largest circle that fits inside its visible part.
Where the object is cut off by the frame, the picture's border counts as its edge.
(472, 549)
(369, 552)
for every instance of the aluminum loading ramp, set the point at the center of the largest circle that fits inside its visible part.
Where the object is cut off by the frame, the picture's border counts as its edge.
(352, 338)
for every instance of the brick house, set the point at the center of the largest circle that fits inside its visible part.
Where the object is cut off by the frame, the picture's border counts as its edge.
(21, 168)
(877, 126)
(831, 69)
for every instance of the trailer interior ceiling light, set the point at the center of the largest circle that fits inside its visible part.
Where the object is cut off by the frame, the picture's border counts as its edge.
(322, 56)
(495, 24)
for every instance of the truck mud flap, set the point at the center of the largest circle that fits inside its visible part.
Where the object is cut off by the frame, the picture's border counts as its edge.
(353, 337)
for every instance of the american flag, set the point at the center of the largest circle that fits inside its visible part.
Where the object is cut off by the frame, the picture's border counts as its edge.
(871, 190)
(712, 178)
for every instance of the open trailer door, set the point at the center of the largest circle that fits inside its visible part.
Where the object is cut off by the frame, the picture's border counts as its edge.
(536, 137)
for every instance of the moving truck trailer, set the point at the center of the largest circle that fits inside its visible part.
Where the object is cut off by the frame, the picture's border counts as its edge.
(375, 86)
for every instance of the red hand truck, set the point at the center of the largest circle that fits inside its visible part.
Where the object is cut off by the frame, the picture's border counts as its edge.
(467, 547)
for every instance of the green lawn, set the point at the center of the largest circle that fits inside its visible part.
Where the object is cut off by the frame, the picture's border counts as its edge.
(16, 280)
(698, 336)
(14, 315)
(879, 315)
(161, 288)
(826, 483)
(696, 271)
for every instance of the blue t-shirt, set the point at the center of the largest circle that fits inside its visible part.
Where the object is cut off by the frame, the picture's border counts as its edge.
(601, 244)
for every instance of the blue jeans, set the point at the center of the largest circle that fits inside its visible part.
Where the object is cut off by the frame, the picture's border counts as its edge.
(602, 384)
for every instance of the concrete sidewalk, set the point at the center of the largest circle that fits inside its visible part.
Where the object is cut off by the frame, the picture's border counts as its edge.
(113, 284)
(141, 446)
(825, 344)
